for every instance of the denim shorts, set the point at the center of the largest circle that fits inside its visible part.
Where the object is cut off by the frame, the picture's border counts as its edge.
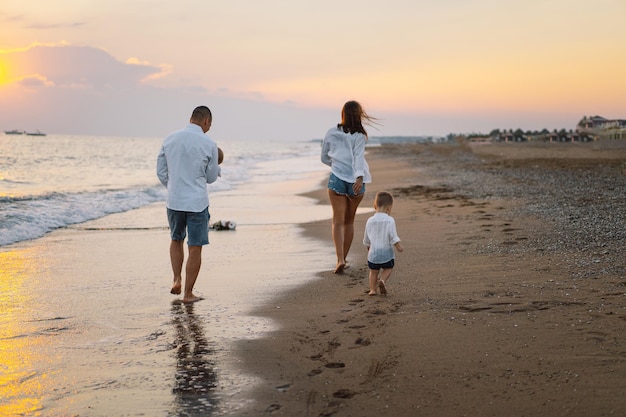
(196, 224)
(376, 267)
(342, 187)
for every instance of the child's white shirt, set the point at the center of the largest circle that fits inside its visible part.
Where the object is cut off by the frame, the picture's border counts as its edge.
(380, 236)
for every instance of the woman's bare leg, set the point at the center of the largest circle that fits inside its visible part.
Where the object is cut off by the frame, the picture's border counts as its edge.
(339, 204)
(350, 214)
(344, 212)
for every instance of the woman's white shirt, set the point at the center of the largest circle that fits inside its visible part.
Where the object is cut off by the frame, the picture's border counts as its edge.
(345, 154)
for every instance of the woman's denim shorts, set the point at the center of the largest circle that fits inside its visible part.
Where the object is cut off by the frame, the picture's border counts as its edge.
(196, 224)
(342, 187)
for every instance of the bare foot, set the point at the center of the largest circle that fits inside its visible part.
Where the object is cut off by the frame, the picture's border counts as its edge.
(372, 293)
(340, 267)
(175, 288)
(192, 299)
(382, 288)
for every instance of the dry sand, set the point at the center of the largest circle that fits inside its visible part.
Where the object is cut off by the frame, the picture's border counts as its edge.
(493, 308)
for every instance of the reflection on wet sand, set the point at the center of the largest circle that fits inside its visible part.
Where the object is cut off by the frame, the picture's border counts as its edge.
(21, 385)
(195, 377)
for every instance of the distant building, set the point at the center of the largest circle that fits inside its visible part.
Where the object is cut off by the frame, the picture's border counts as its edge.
(599, 127)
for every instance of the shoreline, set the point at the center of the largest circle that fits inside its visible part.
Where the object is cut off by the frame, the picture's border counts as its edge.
(484, 315)
(90, 327)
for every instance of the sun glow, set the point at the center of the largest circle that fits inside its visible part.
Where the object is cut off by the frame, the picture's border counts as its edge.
(4, 72)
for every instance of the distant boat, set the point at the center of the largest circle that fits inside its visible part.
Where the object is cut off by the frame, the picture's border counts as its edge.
(37, 133)
(13, 132)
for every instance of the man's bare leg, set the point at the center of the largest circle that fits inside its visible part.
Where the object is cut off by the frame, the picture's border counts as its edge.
(177, 256)
(192, 269)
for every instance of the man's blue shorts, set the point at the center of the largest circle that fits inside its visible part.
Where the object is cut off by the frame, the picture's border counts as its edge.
(342, 187)
(196, 224)
(376, 267)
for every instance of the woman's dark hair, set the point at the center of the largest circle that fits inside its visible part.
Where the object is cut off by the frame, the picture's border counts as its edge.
(352, 116)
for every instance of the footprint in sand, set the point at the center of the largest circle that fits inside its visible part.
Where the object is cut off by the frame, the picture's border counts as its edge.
(335, 365)
(344, 393)
(363, 341)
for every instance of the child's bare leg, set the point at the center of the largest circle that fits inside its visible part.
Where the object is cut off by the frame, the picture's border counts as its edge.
(373, 281)
(384, 277)
(386, 274)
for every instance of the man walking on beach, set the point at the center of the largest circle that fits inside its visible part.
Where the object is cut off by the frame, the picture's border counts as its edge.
(187, 162)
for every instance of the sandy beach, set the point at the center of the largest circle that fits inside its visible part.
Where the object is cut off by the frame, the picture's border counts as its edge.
(509, 299)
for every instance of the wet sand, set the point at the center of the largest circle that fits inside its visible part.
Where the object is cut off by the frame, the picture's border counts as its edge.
(509, 299)
(498, 305)
(89, 327)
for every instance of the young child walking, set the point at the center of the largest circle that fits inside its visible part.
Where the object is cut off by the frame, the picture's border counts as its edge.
(381, 238)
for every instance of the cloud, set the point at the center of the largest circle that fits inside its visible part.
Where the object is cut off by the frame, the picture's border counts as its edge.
(67, 89)
(12, 18)
(69, 66)
(84, 90)
(43, 26)
(35, 81)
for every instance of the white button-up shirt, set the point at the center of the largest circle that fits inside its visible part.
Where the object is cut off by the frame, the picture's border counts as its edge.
(380, 236)
(345, 154)
(186, 163)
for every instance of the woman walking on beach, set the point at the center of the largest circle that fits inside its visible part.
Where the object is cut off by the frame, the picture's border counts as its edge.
(343, 149)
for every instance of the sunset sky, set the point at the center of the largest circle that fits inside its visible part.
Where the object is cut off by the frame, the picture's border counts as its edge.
(283, 68)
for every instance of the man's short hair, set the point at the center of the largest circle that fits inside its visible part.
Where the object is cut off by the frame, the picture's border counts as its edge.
(201, 113)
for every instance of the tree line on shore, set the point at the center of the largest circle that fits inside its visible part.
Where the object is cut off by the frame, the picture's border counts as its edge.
(588, 129)
(519, 135)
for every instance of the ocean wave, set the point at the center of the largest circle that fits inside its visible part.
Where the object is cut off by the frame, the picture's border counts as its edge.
(37, 198)
(31, 217)
(10, 182)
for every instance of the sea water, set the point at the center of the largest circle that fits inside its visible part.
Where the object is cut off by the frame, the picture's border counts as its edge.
(55, 181)
(88, 326)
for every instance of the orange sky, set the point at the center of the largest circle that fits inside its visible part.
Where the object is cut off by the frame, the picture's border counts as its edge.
(424, 67)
